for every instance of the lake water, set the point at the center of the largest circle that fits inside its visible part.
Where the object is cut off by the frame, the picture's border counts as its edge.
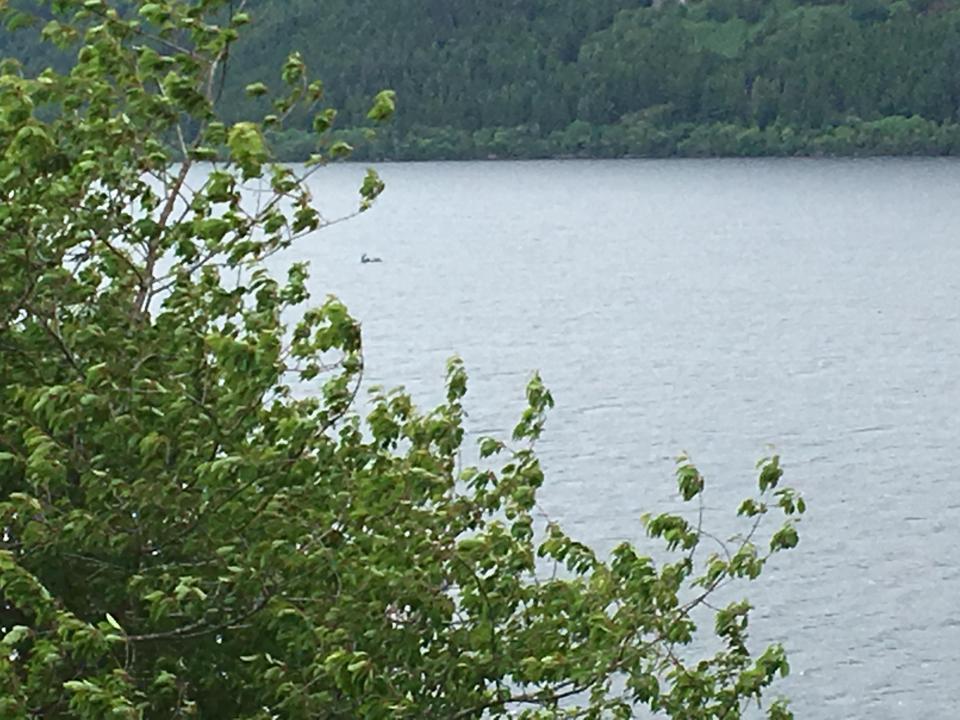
(723, 308)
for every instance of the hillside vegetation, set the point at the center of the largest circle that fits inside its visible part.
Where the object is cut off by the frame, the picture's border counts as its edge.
(532, 78)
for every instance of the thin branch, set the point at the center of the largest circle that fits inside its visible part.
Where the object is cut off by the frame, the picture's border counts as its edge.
(58, 339)
(201, 628)
(153, 250)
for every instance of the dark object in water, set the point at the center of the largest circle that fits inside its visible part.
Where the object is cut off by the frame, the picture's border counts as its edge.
(367, 259)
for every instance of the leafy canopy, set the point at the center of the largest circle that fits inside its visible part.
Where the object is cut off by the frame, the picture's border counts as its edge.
(183, 536)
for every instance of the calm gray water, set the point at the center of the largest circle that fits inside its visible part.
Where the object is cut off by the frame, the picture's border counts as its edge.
(723, 308)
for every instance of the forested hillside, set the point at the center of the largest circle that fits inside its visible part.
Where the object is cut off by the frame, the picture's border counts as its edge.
(531, 78)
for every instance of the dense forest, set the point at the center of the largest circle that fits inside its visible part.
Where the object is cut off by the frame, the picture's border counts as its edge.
(609, 78)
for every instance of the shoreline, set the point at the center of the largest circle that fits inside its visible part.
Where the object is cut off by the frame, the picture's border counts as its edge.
(891, 136)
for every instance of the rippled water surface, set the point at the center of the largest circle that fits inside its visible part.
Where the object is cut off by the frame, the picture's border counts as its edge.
(718, 307)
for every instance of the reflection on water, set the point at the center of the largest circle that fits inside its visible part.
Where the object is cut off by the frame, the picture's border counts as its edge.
(720, 307)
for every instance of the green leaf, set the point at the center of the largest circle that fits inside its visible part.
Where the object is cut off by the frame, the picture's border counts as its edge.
(371, 189)
(18, 20)
(384, 106)
(16, 634)
(340, 150)
(112, 621)
(323, 121)
(247, 148)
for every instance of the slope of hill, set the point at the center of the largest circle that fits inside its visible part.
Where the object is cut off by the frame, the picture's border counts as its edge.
(531, 78)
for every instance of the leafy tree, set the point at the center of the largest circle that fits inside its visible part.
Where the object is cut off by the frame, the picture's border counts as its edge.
(183, 535)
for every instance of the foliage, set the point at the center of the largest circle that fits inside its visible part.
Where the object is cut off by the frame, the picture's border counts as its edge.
(183, 535)
(475, 71)
(639, 136)
(546, 65)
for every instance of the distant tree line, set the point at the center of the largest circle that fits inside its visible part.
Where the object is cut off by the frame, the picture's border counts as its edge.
(610, 78)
